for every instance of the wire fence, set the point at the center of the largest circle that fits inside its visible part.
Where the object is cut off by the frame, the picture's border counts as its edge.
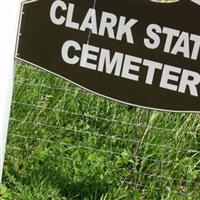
(55, 124)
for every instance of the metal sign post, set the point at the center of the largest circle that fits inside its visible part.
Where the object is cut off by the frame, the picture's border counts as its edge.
(9, 12)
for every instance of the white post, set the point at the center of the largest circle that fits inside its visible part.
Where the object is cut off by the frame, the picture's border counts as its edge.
(9, 14)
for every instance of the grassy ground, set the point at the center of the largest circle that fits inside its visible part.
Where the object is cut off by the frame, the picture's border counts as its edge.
(67, 144)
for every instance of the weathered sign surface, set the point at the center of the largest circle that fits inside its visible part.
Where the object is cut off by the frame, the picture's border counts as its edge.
(137, 52)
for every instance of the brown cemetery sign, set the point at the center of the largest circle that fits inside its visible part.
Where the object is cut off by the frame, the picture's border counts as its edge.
(133, 51)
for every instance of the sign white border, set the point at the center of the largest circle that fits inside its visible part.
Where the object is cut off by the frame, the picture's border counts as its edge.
(96, 93)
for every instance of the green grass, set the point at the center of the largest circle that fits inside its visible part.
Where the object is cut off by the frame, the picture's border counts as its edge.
(67, 144)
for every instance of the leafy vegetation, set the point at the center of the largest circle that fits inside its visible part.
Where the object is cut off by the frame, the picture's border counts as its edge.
(65, 143)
